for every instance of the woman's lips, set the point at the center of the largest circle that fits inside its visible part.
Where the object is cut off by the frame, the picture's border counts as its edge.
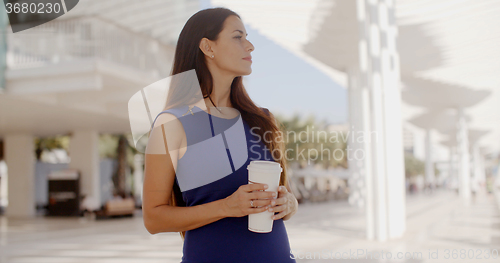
(248, 58)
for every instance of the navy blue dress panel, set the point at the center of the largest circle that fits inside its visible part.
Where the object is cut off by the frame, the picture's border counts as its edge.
(228, 239)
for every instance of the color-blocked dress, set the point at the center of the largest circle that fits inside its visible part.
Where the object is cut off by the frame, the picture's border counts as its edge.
(213, 167)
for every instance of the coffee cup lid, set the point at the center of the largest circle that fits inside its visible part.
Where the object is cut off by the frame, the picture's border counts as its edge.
(265, 165)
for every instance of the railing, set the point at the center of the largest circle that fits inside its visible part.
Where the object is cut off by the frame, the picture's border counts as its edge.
(86, 37)
(315, 185)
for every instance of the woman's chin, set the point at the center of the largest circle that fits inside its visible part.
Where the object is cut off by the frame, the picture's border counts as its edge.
(244, 72)
(248, 72)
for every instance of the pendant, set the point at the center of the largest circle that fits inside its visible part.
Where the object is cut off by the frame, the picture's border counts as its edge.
(189, 110)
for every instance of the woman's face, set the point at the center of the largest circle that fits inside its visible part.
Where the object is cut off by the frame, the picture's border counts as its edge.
(231, 50)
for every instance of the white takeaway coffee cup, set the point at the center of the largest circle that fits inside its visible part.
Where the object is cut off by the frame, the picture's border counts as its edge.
(263, 172)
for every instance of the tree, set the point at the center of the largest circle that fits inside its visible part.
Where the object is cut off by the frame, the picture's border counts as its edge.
(413, 166)
(50, 143)
(299, 139)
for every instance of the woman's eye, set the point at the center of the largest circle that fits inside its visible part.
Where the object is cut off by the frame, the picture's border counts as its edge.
(238, 37)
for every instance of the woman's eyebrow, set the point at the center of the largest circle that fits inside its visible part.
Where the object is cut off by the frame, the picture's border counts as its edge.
(239, 31)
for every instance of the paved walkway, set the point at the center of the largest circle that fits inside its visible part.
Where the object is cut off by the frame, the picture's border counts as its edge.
(434, 221)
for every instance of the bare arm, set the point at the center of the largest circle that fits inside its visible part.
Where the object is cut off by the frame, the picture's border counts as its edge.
(159, 175)
(160, 215)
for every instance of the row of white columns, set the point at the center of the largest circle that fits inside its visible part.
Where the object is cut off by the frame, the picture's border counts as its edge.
(461, 151)
(19, 152)
(377, 181)
(478, 171)
(459, 161)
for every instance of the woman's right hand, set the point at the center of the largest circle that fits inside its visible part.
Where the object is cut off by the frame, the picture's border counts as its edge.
(238, 204)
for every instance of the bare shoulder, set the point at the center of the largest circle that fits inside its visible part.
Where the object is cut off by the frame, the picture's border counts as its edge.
(166, 127)
(166, 118)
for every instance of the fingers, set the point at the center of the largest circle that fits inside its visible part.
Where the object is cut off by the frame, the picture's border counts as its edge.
(257, 209)
(281, 201)
(282, 190)
(282, 207)
(279, 215)
(261, 203)
(254, 187)
(262, 195)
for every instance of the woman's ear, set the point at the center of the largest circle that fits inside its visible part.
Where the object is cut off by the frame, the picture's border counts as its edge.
(205, 46)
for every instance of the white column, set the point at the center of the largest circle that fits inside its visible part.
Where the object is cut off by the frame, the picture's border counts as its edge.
(4, 190)
(378, 51)
(84, 155)
(482, 171)
(429, 164)
(451, 173)
(138, 177)
(359, 148)
(356, 152)
(394, 161)
(20, 159)
(477, 159)
(463, 158)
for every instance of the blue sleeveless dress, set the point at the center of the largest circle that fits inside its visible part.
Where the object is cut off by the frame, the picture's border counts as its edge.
(212, 168)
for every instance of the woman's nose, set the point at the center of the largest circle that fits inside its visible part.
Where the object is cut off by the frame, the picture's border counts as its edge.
(251, 47)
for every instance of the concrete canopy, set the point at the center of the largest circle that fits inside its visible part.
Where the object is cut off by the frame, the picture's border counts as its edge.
(83, 74)
(474, 136)
(42, 105)
(442, 120)
(160, 19)
(444, 41)
(437, 95)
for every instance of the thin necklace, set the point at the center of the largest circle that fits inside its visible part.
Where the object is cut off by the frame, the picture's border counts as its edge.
(216, 107)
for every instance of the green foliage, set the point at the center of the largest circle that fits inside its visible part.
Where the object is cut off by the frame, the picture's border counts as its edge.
(108, 144)
(437, 172)
(50, 143)
(413, 166)
(326, 148)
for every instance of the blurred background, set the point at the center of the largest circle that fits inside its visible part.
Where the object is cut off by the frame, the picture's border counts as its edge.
(395, 105)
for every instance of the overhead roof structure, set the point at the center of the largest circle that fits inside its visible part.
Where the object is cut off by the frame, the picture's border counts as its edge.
(437, 95)
(443, 121)
(462, 36)
(474, 136)
(160, 19)
(84, 73)
(446, 41)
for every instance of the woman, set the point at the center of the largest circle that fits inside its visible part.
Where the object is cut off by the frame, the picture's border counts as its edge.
(191, 187)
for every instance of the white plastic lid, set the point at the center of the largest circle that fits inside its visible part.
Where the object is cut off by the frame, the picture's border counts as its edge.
(269, 166)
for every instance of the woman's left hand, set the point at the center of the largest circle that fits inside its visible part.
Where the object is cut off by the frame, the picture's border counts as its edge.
(285, 204)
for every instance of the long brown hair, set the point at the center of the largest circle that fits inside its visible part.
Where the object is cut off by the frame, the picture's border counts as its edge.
(209, 23)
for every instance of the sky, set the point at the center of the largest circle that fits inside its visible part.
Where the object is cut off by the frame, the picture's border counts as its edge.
(287, 85)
